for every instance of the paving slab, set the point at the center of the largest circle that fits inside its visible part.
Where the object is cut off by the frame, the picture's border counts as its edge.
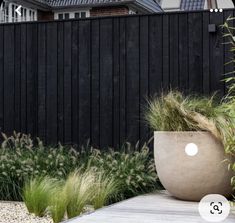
(151, 208)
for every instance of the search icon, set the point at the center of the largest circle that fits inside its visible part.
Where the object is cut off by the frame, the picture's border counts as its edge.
(216, 207)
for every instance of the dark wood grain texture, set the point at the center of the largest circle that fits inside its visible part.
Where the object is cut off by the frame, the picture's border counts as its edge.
(79, 80)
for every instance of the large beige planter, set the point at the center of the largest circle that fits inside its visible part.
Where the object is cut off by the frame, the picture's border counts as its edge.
(191, 177)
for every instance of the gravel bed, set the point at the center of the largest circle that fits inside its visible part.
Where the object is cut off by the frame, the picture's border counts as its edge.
(16, 212)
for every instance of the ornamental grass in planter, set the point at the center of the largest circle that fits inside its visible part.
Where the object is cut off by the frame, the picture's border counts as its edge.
(206, 123)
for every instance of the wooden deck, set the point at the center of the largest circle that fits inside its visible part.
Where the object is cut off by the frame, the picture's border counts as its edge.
(153, 208)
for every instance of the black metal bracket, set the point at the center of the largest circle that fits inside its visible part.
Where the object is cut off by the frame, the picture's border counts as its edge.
(212, 28)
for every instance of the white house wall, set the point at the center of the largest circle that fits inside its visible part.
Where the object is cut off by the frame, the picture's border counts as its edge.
(171, 4)
(174, 5)
(225, 4)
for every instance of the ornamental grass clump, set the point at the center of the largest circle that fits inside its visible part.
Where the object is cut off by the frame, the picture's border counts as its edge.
(79, 189)
(106, 187)
(133, 167)
(58, 203)
(176, 112)
(37, 194)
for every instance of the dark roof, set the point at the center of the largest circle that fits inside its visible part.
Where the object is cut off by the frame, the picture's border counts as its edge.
(147, 5)
(188, 5)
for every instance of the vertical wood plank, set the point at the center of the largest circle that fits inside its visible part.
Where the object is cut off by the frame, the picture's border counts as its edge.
(23, 75)
(155, 54)
(106, 85)
(17, 78)
(51, 88)
(144, 76)
(132, 79)
(116, 83)
(195, 52)
(1, 79)
(67, 83)
(60, 55)
(166, 52)
(216, 55)
(9, 50)
(42, 81)
(74, 64)
(84, 82)
(206, 53)
(95, 82)
(122, 43)
(183, 52)
(31, 83)
(174, 50)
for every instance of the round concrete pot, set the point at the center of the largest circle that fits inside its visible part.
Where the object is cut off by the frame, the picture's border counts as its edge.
(191, 177)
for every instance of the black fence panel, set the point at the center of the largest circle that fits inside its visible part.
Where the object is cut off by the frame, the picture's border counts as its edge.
(78, 80)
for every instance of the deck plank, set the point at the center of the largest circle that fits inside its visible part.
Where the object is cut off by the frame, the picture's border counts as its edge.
(151, 208)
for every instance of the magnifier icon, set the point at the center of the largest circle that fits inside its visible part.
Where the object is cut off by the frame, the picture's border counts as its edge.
(216, 207)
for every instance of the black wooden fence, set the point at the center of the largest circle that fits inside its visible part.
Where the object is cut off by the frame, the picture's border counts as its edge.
(71, 81)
